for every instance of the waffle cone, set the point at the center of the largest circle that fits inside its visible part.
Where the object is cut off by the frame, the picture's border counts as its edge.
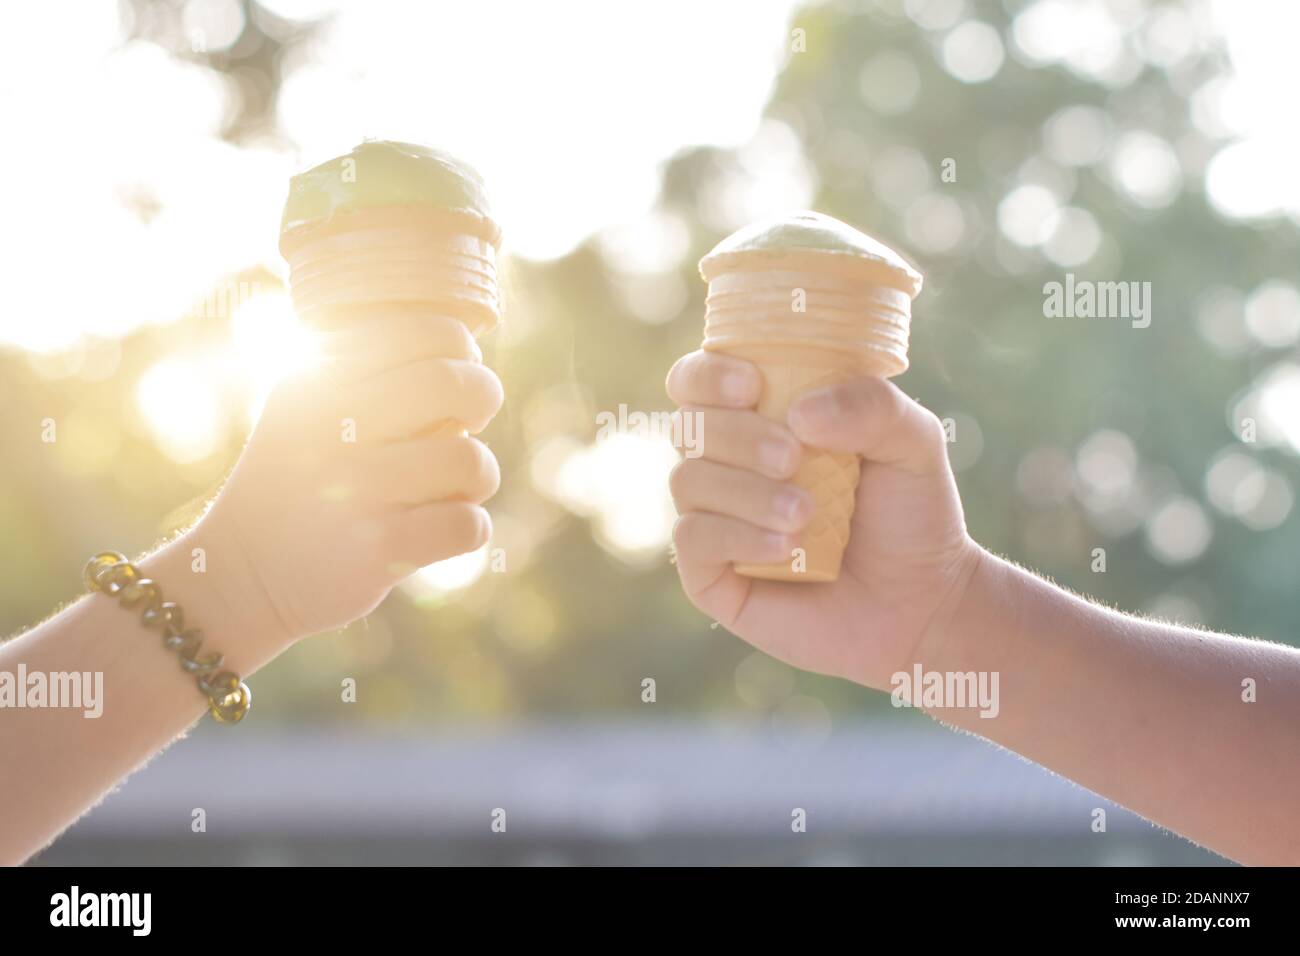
(848, 327)
(435, 261)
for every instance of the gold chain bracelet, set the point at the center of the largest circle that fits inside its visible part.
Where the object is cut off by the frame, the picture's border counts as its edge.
(110, 572)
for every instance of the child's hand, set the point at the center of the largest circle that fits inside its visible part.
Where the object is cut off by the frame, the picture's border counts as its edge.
(343, 489)
(908, 557)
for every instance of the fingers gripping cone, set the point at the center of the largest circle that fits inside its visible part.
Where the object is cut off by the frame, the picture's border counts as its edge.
(395, 225)
(811, 301)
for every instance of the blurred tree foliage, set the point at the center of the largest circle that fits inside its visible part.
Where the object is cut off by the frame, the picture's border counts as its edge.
(575, 630)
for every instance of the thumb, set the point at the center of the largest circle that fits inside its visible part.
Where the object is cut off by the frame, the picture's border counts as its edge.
(874, 418)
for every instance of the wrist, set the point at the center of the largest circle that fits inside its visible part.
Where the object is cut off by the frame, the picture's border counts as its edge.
(972, 620)
(206, 571)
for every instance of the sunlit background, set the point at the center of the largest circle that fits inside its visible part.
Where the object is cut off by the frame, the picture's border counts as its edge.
(149, 148)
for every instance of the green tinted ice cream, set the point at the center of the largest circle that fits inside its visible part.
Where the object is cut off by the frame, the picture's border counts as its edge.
(810, 240)
(388, 174)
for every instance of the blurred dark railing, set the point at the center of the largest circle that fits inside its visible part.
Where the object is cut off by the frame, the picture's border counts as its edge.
(644, 792)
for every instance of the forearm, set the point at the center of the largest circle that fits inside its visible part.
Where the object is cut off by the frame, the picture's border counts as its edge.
(67, 761)
(1152, 716)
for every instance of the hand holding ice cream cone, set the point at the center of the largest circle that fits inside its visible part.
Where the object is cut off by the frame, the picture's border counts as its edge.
(821, 521)
(364, 469)
(811, 301)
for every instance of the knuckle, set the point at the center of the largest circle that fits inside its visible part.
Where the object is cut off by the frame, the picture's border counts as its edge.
(687, 425)
(488, 476)
(679, 478)
(458, 374)
(487, 379)
(464, 528)
(687, 376)
(487, 386)
(476, 467)
(883, 401)
(860, 397)
(685, 530)
(675, 421)
(672, 381)
(932, 428)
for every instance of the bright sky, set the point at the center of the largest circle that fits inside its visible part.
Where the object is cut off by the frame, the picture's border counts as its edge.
(1256, 175)
(569, 112)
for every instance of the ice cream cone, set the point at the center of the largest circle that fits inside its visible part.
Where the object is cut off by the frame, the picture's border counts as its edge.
(811, 302)
(402, 255)
(394, 224)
